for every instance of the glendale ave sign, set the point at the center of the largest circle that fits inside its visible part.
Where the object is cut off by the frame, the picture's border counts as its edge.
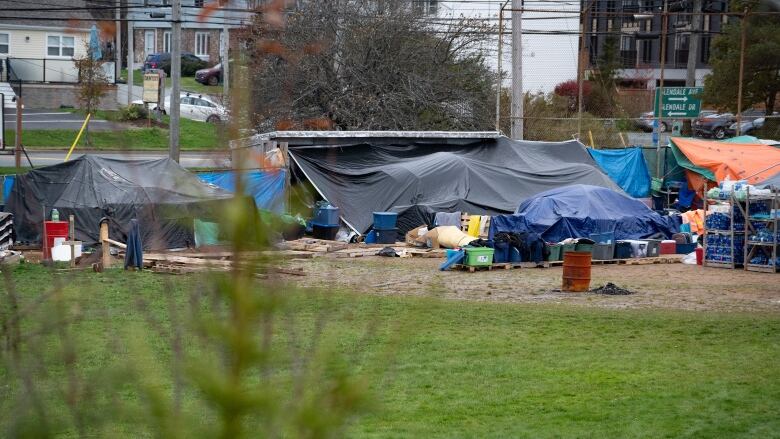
(678, 102)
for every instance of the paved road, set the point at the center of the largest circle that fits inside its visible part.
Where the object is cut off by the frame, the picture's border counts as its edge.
(56, 120)
(188, 159)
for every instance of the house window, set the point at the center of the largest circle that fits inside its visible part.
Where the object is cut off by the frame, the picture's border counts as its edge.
(705, 49)
(166, 42)
(682, 42)
(60, 45)
(647, 52)
(198, 3)
(5, 40)
(626, 42)
(201, 44)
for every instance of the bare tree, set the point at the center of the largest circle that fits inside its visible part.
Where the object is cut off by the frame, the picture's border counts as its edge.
(351, 64)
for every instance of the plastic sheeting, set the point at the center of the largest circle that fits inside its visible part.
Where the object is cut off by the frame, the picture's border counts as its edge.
(626, 167)
(163, 196)
(717, 161)
(266, 187)
(577, 211)
(419, 177)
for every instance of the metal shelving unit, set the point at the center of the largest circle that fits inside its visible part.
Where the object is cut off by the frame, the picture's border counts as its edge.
(732, 232)
(754, 248)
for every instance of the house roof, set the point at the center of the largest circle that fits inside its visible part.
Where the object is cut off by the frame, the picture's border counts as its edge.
(75, 14)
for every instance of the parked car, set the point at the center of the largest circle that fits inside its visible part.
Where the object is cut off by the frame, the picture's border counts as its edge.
(209, 76)
(196, 107)
(189, 63)
(748, 126)
(645, 121)
(718, 126)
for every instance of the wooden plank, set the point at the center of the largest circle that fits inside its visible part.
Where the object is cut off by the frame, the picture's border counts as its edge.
(171, 259)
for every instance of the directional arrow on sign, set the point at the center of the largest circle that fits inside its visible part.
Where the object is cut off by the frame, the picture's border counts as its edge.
(671, 113)
(684, 99)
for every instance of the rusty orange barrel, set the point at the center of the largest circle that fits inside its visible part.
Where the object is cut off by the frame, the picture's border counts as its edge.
(576, 271)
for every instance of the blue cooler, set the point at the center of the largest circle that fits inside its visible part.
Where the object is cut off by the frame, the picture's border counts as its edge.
(385, 220)
(386, 236)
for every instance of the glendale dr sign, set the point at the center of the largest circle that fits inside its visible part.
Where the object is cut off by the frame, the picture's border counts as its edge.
(678, 102)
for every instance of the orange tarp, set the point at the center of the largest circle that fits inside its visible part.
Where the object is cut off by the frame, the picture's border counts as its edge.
(737, 161)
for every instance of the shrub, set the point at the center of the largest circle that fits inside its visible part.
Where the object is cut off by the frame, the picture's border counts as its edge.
(132, 112)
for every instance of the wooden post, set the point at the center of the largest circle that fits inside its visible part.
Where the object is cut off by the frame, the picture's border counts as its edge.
(104, 244)
(72, 239)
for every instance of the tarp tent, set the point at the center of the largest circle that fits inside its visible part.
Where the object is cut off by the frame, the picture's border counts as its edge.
(577, 211)
(418, 176)
(716, 161)
(626, 167)
(163, 196)
(265, 186)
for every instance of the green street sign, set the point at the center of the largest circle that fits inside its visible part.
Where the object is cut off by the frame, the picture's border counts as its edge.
(678, 102)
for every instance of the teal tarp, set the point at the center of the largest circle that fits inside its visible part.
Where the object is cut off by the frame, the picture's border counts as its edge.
(626, 167)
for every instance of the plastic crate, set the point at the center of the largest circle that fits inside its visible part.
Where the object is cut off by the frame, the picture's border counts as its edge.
(478, 256)
(555, 252)
(385, 220)
(603, 252)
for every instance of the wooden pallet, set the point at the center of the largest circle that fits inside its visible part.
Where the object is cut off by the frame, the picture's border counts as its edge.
(666, 259)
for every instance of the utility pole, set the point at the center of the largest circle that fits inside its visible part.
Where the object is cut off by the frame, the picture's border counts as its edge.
(693, 51)
(225, 52)
(659, 94)
(693, 44)
(498, 73)
(173, 145)
(517, 70)
(118, 40)
(742, 43)
(130, 56)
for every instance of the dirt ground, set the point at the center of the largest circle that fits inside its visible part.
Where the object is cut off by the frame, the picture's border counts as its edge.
(670, 286)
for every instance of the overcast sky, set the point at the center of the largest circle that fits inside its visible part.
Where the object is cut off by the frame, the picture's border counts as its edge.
(547, 59)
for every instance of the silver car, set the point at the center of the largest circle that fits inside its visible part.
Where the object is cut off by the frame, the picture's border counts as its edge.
(196, 107)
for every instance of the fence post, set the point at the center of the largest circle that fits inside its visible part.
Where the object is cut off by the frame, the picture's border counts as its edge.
(44, 70)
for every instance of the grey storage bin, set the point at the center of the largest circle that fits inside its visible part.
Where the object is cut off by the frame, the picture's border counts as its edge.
(603, 252)
(653, 247)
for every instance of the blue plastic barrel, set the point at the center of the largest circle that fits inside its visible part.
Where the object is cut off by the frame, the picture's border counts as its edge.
(385, 220)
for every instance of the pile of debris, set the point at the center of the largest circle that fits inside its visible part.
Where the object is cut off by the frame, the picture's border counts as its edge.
(611, 289)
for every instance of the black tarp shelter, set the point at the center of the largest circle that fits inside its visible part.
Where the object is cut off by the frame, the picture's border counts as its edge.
(163, 196)
(419, 173)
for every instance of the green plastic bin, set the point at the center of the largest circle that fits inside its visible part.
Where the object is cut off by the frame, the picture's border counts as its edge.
(567, 248)
(556, 252)
(583, 247)
(478, 256)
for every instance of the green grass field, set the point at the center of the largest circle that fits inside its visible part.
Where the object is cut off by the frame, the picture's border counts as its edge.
(457, 369)
(194, 135)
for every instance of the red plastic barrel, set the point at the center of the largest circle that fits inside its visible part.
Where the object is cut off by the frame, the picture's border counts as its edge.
(576, 271)
(54, 229)
(699, 255)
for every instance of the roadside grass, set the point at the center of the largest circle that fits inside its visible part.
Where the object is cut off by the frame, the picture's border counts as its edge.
(193, 135)
(458, 369)
(187, 83)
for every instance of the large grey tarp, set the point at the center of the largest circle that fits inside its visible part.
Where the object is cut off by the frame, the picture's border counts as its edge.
(417, 177)
(160, 194)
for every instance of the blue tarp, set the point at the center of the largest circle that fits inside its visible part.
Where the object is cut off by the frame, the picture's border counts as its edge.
(577, 211)
(266, 187)
(626, 167)
(8, 184)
